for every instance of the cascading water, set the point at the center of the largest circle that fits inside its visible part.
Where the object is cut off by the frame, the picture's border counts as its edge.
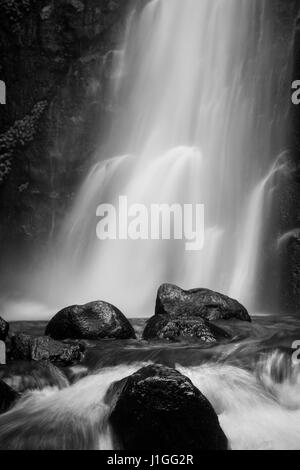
(197, 122)
(77, 417)
(201, 118)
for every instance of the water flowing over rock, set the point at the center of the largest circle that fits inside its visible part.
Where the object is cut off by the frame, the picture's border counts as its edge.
(198, 128)
(95, 320)
(4, 327)
(204, 303)
(25, 376)
(176, 328)
(88, 62)
(157, 408)
(8, 396)
(44, 348)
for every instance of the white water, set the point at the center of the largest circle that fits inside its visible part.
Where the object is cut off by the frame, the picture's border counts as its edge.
(250, 417)
(255, 411)
(75, 417)
(197, 122)
(244, 278)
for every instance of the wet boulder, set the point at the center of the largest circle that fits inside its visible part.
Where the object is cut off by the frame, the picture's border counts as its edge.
(205, 303)
(8, 397)
(4, 327)
(41, 348)
(159, 409)
(177, 328)
(95, 320)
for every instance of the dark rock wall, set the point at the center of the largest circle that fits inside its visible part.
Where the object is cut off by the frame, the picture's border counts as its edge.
(274, 291)
(288, 198)
(292, 260)
(56, 62)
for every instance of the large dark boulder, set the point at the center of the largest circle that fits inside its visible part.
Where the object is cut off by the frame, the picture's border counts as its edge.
(39, 348)
(159, 409)
(203, 303)
(8, 397)
(95, 320)
(176, 328)
(4, 327)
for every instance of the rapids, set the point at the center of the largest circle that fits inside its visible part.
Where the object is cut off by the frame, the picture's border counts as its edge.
(251, 381)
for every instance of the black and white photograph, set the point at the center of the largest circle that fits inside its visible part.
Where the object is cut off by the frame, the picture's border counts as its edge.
(149, 228)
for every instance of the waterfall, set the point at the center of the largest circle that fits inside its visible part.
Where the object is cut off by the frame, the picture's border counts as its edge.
(197, 99)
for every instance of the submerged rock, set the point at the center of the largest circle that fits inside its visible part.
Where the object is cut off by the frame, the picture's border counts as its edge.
(39, 348)
(4, 327)
(176, 328)
(8, 397)
(205, 303)
(157, 408)
(95, 320)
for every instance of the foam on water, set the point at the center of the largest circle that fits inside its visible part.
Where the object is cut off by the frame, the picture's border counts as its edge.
(251, 417)
(72, 418)
(259, 410)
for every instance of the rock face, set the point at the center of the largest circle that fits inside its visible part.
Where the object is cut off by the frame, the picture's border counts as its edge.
(174, 328)
(285, 288)
(202, 303)
(44, 348)
(95, 320)
(157, 408)
(4, 327)
(8, 396)
(54, 63)
(287, 203)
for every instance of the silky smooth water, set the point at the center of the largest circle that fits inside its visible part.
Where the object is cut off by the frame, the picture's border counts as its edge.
(196, 98)
(201, 117)
(251, 381)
